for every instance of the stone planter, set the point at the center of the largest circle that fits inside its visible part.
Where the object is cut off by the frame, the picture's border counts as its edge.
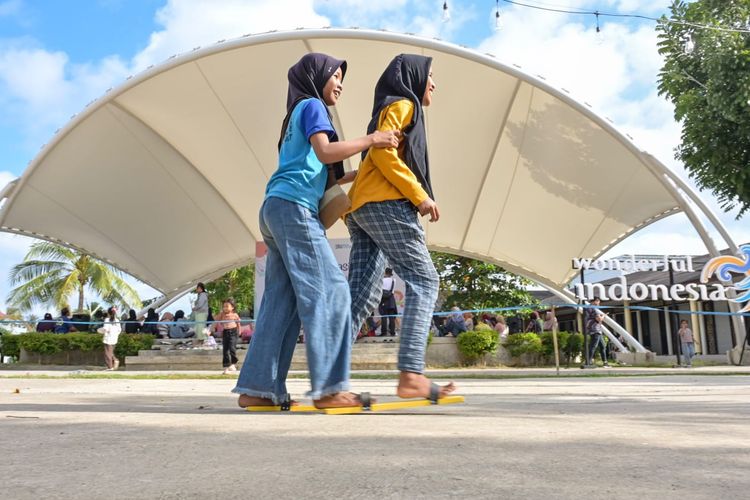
(75, 358)
(443, 353)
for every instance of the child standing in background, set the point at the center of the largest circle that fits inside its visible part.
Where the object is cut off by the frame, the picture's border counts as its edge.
(230, 322)
(111, 330)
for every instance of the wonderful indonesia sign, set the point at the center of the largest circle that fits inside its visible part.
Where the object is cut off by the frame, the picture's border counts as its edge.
(725, 267)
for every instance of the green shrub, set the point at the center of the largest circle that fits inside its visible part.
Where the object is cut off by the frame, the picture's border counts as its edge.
(9, 344)
(129, 345)
(43, 343)
(569, 345)
(573, 346)
(52, 343)
(523, 343)
(548, 345)
(474, 345)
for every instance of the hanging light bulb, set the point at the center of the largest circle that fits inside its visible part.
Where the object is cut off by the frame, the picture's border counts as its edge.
(599, 37)
(446, 13)
(497, 15)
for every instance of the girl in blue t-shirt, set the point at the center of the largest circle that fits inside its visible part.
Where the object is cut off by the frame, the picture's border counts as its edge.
(304, 285)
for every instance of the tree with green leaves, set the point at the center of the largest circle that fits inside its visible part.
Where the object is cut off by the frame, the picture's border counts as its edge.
(706, 75)
(474, 284)
(238, 284)
(51, 273)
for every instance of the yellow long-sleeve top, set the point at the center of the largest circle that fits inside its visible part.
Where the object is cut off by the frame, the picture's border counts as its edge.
(383, 175)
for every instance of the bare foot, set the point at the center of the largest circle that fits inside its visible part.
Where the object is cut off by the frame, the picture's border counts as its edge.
(416, 385)
(244, 401)
(338, 400)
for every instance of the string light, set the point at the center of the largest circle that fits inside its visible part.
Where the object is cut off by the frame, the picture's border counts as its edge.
(497, 14)
(599, 35)
(446, 12)
(632, 16)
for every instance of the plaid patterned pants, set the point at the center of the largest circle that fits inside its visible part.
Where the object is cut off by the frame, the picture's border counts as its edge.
(390, 230)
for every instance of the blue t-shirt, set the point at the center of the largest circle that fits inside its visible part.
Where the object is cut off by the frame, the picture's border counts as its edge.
(301, 177)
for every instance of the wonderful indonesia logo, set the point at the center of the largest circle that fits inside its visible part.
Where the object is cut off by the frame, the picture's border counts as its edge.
(727, 268)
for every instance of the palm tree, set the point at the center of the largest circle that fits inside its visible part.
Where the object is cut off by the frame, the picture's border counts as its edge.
(50, 273)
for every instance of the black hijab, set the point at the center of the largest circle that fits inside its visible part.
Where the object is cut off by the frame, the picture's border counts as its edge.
(307, 78)
(406, 78)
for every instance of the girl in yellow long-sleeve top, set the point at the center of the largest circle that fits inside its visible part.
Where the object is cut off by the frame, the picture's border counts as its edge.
(391, 187)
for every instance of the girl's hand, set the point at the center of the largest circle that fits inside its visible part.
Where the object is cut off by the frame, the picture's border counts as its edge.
(348, 177)
(429, 207)
(385, 138)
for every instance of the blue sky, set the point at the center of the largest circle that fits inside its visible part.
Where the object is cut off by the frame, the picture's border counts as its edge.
(55, 56)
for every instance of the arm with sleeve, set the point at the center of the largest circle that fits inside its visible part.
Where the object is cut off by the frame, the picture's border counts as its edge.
(397, 116)
(314, 119)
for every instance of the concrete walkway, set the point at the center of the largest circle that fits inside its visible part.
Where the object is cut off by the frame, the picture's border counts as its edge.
(679, 436)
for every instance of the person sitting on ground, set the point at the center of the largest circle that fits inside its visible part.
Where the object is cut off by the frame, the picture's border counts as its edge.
(64, 324)
(470, 321)
(46, 325)
(535, 324)
(180, 328)
(163, 327)
(501, 328)
(436, 326)
(132, 324)
(150, 323)
(97, 320)
(455, 324)
(489, 319)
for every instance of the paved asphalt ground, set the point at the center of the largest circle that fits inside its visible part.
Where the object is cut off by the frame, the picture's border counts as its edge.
(656, 436)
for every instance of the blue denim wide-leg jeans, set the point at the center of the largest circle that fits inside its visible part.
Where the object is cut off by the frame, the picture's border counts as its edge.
(391, 230)
(303, 283)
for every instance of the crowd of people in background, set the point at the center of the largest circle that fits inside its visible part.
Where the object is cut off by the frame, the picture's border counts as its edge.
(458, 322)
(232, 329)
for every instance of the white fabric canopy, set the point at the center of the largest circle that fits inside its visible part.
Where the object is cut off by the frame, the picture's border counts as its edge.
(164, 176)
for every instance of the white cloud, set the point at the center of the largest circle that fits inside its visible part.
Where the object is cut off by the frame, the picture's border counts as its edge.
(424, 18)
(191, 23)
(5, 178)
(568, 55)
(41, 89)
(637, 6)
